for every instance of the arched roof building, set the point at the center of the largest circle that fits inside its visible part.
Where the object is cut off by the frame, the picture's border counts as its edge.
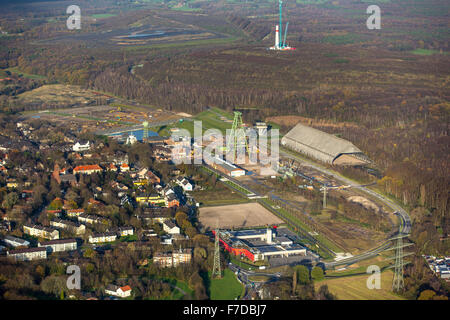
(323, 146)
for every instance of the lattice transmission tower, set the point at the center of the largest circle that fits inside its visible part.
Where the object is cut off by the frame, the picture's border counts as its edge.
(216, 271)
(399, 263)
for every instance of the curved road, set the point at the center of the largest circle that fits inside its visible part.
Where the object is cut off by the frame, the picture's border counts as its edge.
(404, 219)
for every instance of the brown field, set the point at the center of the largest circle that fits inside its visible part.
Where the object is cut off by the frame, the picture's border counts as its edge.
(237, 215)
(355, 288)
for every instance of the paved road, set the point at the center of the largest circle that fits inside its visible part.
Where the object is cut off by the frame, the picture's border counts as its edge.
(404, 219)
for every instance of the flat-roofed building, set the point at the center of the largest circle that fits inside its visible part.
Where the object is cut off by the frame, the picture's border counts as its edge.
(16, 242)
(224, 166)
(181, 256)
(173, 259)
(59, 245)
(27, 254)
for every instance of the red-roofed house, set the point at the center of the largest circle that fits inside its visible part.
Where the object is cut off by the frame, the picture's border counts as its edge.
(117, 291)
(89, 169)
(124, 167)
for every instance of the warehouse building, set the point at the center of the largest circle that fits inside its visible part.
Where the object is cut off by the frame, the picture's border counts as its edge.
(224, 166)
(323, 146)
(259, 244)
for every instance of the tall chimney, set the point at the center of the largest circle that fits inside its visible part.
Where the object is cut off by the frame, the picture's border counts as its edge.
(277, 37)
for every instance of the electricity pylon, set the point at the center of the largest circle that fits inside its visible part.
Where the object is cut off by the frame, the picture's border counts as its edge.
(216, 272)
(398, 282)
(237, 134)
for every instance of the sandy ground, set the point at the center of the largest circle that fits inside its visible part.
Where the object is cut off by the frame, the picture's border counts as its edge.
(237, 215)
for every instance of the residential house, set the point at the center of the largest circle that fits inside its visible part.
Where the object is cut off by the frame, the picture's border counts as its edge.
(124, 167)
(112, 167)
(103, 237)
(74, 212)
(41, 231)
(170, 227)
(27, 254)
(81, 146)
(184, 183)
(59, 245)
(117, 291)
(155, 215)
(173, 259)
(71, 226)
(90, 219)
(181, 256)
(172, 201)
(87, 169)
(125, 231)
(16, 242)
(153, 199)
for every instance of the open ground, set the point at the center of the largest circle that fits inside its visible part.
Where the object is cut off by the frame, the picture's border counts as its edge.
(236, 216)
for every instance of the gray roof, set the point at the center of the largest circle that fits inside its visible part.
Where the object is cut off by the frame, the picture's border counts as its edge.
(318, 143)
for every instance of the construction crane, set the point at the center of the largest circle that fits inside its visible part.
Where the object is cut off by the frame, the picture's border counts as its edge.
(280, 42)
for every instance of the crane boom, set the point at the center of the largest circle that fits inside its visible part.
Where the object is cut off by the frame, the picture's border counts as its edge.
(285, 33)
(280, 3)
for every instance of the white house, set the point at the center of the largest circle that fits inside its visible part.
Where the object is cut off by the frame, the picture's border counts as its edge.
(184, 183)
(117, 291)
(170, 227)
(103, 237)
(81, 146)
(16, 242)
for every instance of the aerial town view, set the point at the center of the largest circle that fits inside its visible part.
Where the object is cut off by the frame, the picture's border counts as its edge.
(239, 151)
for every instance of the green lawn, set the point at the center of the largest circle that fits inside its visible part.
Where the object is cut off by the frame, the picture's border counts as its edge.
(226, 288)
(26, 75)
(424, 52)
(103, 15)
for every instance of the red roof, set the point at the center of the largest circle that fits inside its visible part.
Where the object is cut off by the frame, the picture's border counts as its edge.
(87, 168)
(125, 288)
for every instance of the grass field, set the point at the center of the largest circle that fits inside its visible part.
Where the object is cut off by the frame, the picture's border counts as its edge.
(103, 15)
(425, 52)
(25, 75)
(227, 288)
(355, 287)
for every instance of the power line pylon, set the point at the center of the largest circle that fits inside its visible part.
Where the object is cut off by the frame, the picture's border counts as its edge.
(216, 272)
(237, 135)
(399, 263)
